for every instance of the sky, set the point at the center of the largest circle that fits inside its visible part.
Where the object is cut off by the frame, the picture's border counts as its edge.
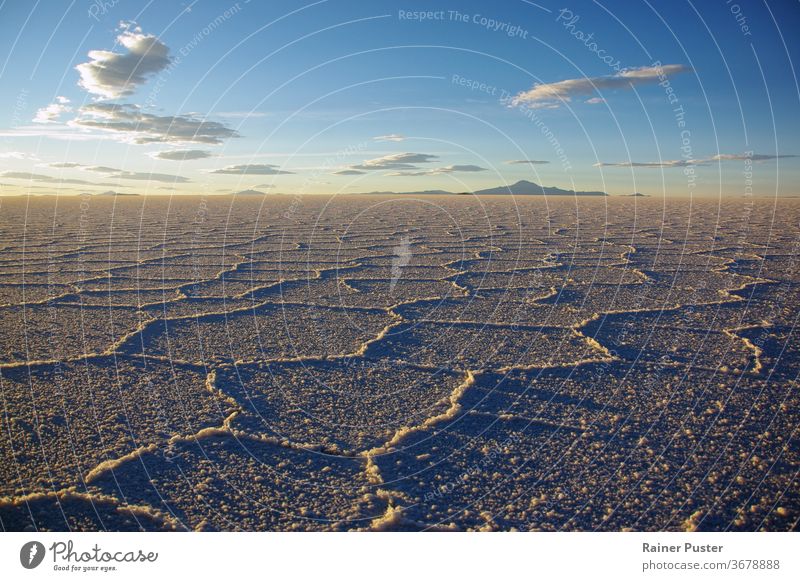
(343, 96)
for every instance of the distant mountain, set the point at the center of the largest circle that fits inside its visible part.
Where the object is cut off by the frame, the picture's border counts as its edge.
(521, 188)
(637, 195)
(113, 193)
(526, 188)
(249, 193)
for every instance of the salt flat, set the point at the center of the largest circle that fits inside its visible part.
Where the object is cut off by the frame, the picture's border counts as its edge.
(371, 363)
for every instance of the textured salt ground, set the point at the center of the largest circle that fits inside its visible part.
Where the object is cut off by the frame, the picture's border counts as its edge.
(386, 293)
(71, 511)
(177, 307)
(71, 418)
(678, 440)
(500, 307)
(132, 298)
(348, 405)
(111, 284)
(481, 346)
(18, 294)
(225, 483)
(635, 337)
(594, 473)
(280, 331)
(44, 333)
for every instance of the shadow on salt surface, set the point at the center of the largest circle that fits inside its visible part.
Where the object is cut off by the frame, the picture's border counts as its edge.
(227, 287)
(273, 331)
(478, 346)
(223, 483)
(344, 406)
(407, 273)
(74, 417)
(648, 461)
(385, 293)
(17, 294)
(639, 336)
(565, 397)
(491, 306)
(453, 260)
(779, 350)
(328, 290)
(131, 298)
(193, 307)
(472, 473)
(78, 512)
(112, 284)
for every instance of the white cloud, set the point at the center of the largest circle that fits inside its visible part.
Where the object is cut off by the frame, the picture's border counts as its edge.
(743, 156)
(133, 125)
(662, 164)
(595, 100)
(181, 154)
(405, 164)
(24, 175)
(111, 75)
(53, 111)
(398, 161)
(17, 155)
(65, 164)
(452, 168)
(439, 170)
(262, 169)
(551, 94)
(35, 177)
(390, 137)
(702, 161)
(526, 162)
(66, 132)
(133, 175)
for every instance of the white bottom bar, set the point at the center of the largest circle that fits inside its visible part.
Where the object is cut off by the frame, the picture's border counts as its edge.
(404, 556)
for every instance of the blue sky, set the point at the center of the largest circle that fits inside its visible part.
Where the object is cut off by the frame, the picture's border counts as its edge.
(667, 98)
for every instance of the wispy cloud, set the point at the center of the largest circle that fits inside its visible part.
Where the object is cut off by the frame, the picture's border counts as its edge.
(439, 170)
(134, 175)
(111, 75)
(261, 169)
(743, 156)
(397, 161)
(53, 111)
(35, 177)
(182, 154)
(390, 137)
(349, 172)
(667, 163)
(17, 155)
(66, 132)
(552, 94)
(133, 125)
(663, 163)
(526, 162)
(65, 164)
